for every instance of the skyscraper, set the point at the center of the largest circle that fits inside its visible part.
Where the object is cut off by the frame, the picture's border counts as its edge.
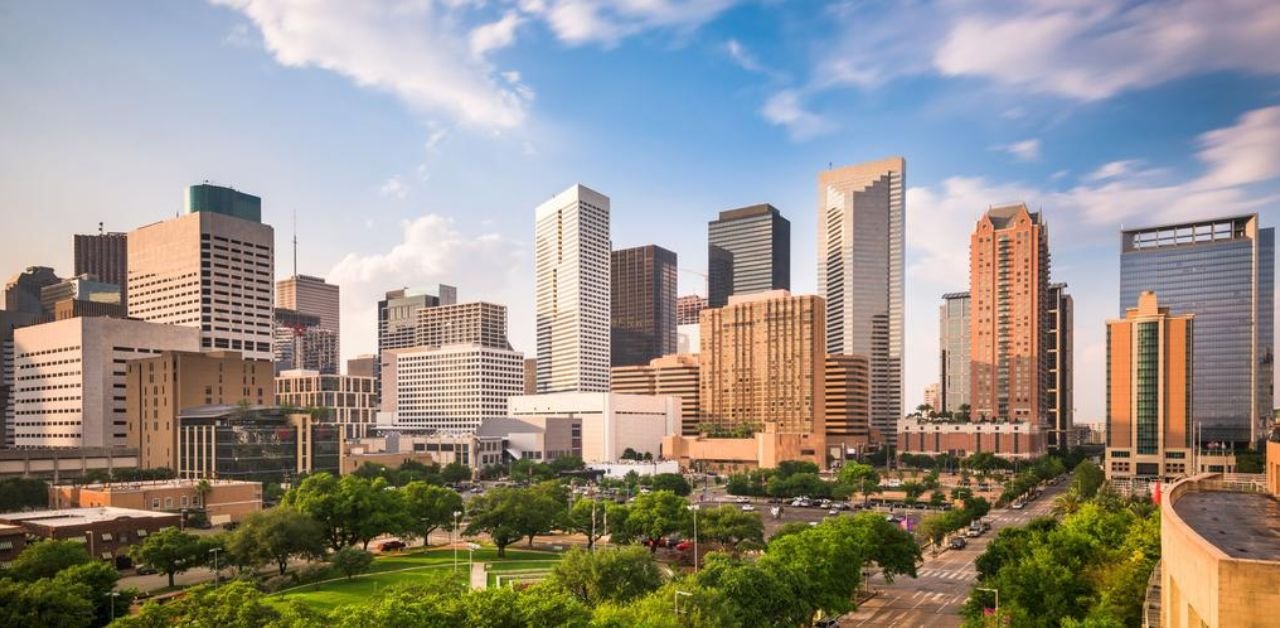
(1222, 270)
(675, 375)
(1150, 392)
(479, 323)
(1009, 316)
(22, 291)
(762, 361)
(643, 306)
(688, 307)
(953, 341)
(572, 274)
(211, 269)
(398, 318)
(748, 250)
(848, 394)
(861, 239)
(105, 256)
(314, 296)
(1061, 358)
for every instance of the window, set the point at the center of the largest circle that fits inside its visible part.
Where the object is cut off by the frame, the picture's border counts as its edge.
(6, 545)
(168, 503)
(142, 534)
(155, 502)
(106, 536)
(182, 501)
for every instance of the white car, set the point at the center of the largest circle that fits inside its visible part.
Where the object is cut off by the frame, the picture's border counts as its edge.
(748, 508)
(1018, 505)
(743, 500)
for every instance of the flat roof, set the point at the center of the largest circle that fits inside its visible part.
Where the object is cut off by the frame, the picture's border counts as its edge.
(80, 516)
(1241, 525)
(145, 485)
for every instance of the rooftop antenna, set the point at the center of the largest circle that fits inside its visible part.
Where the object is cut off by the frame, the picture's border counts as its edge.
(99, 227)
(295, 243)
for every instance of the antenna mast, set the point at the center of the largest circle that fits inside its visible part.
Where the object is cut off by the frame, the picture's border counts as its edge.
(295, 243)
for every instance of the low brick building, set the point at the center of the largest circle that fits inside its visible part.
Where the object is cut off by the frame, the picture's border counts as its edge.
(1007, 439)
(106, 532)
(227, 500)
(12, 540)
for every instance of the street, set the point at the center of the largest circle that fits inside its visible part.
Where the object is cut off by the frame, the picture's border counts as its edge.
(943, 585)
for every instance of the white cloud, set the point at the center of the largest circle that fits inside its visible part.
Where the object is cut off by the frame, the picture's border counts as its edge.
(785, 109)
(607, 22)
(742, 56)
(394, 187)
(1078, 49)
(240, 37)
(1026, 150)
(412, 49)
(433, 251)
(1245, 153)
(495, 35)
(1113, 169)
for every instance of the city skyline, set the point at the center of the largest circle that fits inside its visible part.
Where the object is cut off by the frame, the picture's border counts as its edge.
(1085, 150)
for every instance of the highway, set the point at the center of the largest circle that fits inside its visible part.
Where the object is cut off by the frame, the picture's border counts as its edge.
(936, 596)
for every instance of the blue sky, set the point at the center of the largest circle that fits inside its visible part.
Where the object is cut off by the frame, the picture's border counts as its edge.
(414, 138)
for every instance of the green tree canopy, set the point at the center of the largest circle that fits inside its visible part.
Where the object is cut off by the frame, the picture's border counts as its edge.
(614, 575)
(673, 482)
(351, 561)
(727, 525)
(656, 515)
(44, 559)
(429, 507)
(276, 536)
(171, 551)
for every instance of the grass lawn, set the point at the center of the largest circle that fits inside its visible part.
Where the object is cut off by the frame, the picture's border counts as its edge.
(406, 568)
(542, 565)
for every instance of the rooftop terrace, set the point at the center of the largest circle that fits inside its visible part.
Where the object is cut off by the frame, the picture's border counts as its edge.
(80, 516)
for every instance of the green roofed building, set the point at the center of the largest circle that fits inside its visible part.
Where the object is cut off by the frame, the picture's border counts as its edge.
(225, 201)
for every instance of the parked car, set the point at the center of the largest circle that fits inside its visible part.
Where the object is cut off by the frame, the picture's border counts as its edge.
(748, 508)
(1018, 505)
(827, 622)
(684, 546)
(833, 511)
(742, 499)
(144, 570)
(391, 546)
(958, 543)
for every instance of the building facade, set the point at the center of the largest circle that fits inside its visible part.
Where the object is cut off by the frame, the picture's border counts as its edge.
(861, 243)
(254, 443)
(105, 256)
(22, 291)
(572, 275)
(9, 321)
(1007, 439)
(362, 365)
(611, 423)
(848, 404)
(1009, 317)
(398, 317)
(1222, 271)
(302, 342)
(748, 251)
(312, 295)
(347, 400)
(452, 387)
(79, 288)
(70, 378)
(159, 387)
(479, 323)
(688, 307)
(1061, 358)
(107, 533)
(763, 361)
(670, 375)
(953, 339)
(211, 270)
(225, 501)
(643, 305)
(1150, 392)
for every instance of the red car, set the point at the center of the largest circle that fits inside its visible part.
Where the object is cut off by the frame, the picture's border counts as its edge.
(391, 546)
(684, 546)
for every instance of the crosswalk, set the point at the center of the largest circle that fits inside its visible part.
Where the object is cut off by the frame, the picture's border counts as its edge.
(948, 574)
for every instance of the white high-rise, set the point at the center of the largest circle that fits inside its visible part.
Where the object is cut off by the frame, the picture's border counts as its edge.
(210, 269)
(572, 267)
(861, 238)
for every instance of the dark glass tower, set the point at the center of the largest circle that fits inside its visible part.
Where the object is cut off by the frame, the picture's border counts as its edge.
(749, 250)
(106, 257)
(643, 305)
(1221, 270)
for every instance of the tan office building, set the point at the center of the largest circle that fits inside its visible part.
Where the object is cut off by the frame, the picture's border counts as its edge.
(478, 323)
(670, 375)
(848, 404)
(1009, 316)
(1149, 393)
(159, 388)
(343, 399)
(314, 296)
(226, 500)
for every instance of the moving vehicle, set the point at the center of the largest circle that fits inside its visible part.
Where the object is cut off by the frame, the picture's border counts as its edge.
(958, 543)
(391, 546)
(1018, 505)
(748, 508)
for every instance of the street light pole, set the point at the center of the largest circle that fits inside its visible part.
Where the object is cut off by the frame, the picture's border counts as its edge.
(695, 509)
(676, 596)
(114, 595)
(217, 575)
(452, 540)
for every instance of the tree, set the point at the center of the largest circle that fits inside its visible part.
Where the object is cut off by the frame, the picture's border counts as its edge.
(656, 515)
(99, 579)
(913, 490)
(429, 507)
(861, 478)
(203, 489)
(678, 604)
(728, 526)
(755, 594)
(587, 517)
(500, 513)
(455, 472)
(937, 499)
(629, 454)
(350, 510)
(1087, 478)
(237, 604)
(276, 536)
(23, 494)
(567, 463)
(673, 482)
(617, 575)
(795, 527)
(45, 602)
(351, 561)
(544, 606)
(378, 509)
(44, 559)
(171, 551)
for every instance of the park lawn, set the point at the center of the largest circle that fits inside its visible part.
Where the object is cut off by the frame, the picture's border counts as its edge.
(519, 565)
(405, 568)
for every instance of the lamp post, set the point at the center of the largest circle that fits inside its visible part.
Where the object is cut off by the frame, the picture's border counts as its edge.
(457, 514)
(471, 556)
(695, 510)
(997, 593)
(677, 595)
(113, 595)
(217, 575)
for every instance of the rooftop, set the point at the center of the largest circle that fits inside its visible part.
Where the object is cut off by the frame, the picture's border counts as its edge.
(1241, 525)
(80, 516)
(125, 487)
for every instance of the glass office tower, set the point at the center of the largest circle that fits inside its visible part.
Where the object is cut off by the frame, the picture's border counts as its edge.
(748, 250)
(1221, 270)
